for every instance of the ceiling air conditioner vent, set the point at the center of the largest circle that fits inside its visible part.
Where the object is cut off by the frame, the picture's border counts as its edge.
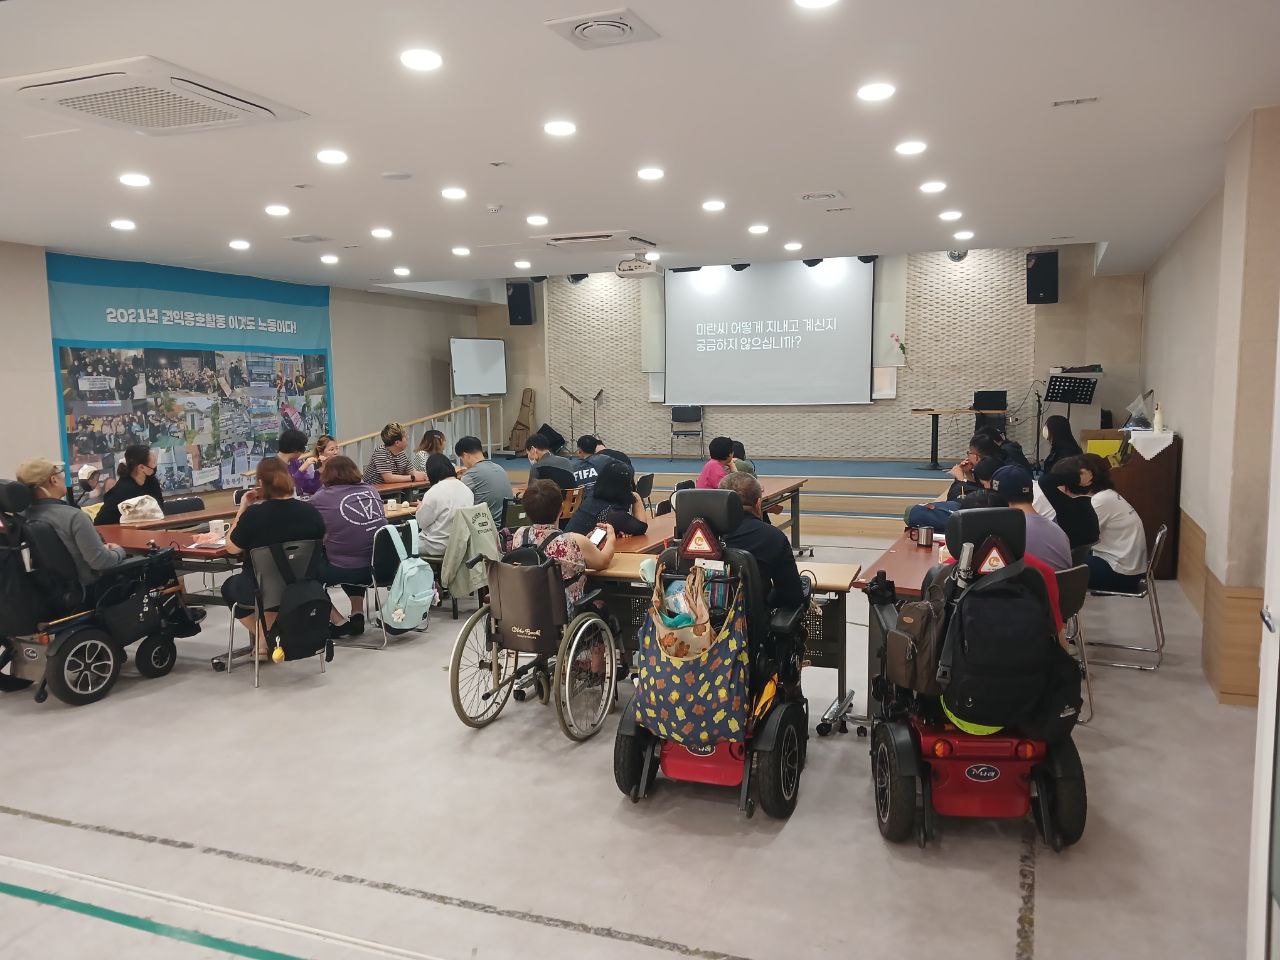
(309, 238)
(145, 95)
(597, 31)
(568, 240)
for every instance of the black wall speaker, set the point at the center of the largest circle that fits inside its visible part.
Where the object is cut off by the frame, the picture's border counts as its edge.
(520, 304)
(1042, 277)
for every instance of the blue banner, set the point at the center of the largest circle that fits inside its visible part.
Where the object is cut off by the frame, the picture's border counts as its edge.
(205, 368)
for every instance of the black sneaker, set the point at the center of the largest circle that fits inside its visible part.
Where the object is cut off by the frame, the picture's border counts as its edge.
(354, 627)
(186, 621)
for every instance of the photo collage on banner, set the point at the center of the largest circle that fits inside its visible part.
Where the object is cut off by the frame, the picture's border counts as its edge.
(207, 369)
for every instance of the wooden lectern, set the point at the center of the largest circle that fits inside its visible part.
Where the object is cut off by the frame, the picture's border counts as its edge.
(1154, 488)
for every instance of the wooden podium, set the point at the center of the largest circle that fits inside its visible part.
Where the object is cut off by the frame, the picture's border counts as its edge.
(1154, 488)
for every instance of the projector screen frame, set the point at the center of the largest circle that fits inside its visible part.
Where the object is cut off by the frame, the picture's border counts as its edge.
(666, 352)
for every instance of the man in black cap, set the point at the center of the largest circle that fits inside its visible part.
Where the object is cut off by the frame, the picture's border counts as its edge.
(1045, 539)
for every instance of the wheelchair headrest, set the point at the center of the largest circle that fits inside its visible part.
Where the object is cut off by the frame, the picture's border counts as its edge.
(721, 509)
(1006, 524)
(14, 496)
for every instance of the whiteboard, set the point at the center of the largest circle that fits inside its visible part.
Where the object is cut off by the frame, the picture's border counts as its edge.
(479, 367)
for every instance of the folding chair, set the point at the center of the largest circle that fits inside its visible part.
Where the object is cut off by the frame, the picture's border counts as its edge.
(572, 500)
(270, 590)
(644, 488)
(687, 422)
(1148, 593)
(1073, 587)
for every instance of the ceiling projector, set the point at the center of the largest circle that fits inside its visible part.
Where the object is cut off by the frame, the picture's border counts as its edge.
(637, 267)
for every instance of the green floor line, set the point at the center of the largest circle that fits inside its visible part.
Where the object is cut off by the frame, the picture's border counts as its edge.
(193, 937)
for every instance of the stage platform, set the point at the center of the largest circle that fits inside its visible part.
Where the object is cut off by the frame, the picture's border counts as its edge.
(842, 497)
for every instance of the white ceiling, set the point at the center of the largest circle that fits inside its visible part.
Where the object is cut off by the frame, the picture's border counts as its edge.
(749, 101)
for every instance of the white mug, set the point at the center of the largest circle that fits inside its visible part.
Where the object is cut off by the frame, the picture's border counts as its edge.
(218, 528)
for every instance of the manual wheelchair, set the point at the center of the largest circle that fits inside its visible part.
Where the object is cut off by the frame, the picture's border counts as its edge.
(526, 640)
(765, 744)
(923, 765)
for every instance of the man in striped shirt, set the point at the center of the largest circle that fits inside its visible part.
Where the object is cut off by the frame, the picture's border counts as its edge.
(390, 462)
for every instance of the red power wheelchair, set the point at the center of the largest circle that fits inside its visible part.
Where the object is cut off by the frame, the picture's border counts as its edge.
(770, 753)
(923, 765)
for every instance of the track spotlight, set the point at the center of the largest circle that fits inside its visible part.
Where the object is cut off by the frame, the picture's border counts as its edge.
(812, 263)
(957, 255)
(576, 277)
(871, 259)
(739, 266)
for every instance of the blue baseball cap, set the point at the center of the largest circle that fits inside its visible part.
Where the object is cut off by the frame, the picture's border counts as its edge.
(1012, 483)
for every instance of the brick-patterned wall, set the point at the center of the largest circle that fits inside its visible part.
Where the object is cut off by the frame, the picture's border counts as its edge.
(968, 327)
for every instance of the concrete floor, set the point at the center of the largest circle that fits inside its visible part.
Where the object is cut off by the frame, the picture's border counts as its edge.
(352, 815)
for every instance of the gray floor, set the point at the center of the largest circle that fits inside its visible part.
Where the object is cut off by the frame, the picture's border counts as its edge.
(352, 815)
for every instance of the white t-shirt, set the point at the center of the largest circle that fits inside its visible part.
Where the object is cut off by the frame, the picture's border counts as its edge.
(1121, 540)
(435, 514)
(1042, 504)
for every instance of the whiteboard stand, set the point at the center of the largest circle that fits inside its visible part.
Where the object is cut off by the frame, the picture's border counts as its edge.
(472, 422)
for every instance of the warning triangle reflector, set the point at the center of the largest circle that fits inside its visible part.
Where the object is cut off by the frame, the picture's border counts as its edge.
(993, 561)
(700, 542)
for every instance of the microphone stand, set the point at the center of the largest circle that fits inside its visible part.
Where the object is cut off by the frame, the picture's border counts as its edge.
(595, 406)
(1039, 414)
(573, 405)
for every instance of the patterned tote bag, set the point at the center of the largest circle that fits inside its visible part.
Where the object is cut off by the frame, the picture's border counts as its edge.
(701, 700)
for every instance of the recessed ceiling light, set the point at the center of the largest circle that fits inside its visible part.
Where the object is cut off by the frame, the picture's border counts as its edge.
(909, 148)
(815, 4)
(420, 59)
(653, 256)
(792, 247)
(401, 271)
(876, 91)
(522, 264)
(964, 235)
(329, 258)
(380, 233)
(536, 220)
(453, 193)
(650, 173)
(239, 244)
(461, 252)
(560, 128)
(713, 206)
(932, 186)
(331, 156)
(950, 215)
(123, 224)
(758, 228)
(135, 179)
(277, 210)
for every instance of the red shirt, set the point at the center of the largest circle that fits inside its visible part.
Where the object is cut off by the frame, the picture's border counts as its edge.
(712, 473)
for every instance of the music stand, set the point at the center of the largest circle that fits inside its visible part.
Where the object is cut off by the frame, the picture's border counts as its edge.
(1070, 390)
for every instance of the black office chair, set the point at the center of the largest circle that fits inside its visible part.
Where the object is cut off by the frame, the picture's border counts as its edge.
(1081, 553)
(644, 488)
(687, 422)
(563, 478)
(663, 509)
(1073, 587)
(686, 485)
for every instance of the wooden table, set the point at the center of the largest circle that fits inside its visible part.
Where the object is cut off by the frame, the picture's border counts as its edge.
(628, 598)
(935, 413)
(905, 563)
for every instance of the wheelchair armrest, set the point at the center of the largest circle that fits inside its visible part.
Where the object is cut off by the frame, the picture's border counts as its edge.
(785, 622)
(587, 599)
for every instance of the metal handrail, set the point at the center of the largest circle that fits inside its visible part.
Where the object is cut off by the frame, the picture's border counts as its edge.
(452, 415)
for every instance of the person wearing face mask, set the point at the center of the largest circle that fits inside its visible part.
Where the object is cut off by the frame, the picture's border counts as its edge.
(136, 477)
(1062, 444)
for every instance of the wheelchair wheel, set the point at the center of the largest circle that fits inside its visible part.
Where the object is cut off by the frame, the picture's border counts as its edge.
(779, 768)
(628, 762)
(480, 672)
(895, 793)
(1068, 801)
(155, 656)
(586, 674)
(84, 668)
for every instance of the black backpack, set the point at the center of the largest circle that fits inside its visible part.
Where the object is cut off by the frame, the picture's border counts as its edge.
(997, 661)
(22, 606)
(302, 621)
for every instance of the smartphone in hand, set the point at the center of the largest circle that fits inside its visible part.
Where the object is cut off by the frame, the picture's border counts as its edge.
(597, 535)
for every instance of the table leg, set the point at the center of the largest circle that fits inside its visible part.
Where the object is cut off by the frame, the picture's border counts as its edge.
(933, 463)
(835, 630)
(796, 547)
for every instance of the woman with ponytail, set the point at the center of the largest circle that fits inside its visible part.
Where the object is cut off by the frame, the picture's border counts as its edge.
(136, 477)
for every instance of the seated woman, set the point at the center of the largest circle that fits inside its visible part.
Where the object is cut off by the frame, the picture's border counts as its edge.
(302, 468)
(94, 559)
(575, 553)
(435, 514)
(1063, 498)
(1062, 443)
(268, 514)
(612, 500)
(1119, 560)
(740, 463)
(326, 448)
(353, 514)
(136, 477)
(432, 442)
